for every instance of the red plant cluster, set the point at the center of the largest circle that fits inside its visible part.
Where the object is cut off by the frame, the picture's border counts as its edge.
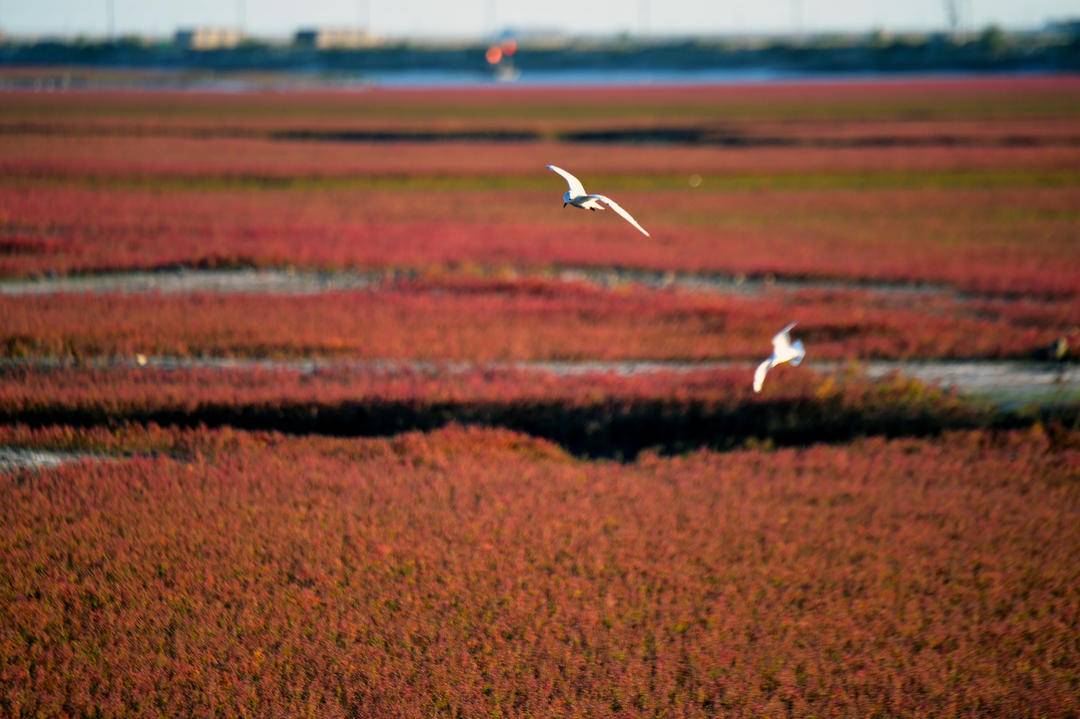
(479, 573)
(487, 320)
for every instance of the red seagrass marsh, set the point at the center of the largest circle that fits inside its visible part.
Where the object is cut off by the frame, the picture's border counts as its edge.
(319, 402)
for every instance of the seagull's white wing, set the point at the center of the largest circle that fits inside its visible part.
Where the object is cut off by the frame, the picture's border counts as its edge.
(781, 342)
(622, 213)
(576, 188)
(760, 372)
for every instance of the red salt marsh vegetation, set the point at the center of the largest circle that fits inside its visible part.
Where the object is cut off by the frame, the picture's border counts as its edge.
(973, 184)
(420, 529)
(965, 101)
(146, 159)
(489, 320)
(480, 572)
(1014, 240)
(121, 389)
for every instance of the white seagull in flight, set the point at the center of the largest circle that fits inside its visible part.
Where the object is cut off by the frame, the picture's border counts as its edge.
(783, 350)
(577, 197)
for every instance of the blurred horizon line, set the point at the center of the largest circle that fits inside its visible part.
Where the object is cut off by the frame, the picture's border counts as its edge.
(548, 35)
(486, 19)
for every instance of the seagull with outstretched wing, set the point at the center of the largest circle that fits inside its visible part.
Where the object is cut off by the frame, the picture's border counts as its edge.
(784, 350)
(577, 197)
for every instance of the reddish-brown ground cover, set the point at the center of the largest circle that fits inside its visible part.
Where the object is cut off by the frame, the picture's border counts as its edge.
(1008, 240)
(481, 572)
(121, 390)
(470, 572)
(530, 320)
(153, 158)
(836, 105)
(968, 183)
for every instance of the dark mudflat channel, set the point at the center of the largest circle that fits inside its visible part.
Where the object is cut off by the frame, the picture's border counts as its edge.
(686, 135)
(605, 427)
(599, 428)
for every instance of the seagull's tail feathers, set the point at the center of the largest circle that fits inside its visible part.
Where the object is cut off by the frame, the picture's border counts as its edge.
(797, 345)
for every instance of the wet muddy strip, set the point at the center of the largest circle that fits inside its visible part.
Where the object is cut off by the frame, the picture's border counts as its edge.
(743, 284)
(299, 281)
(181, 281)
(21, 458)
(1012, 381)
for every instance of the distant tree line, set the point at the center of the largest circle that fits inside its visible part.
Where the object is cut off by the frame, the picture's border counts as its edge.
(990, 50)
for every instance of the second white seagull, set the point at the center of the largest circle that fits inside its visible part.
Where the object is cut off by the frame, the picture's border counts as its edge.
(784, 350)
(577, 197)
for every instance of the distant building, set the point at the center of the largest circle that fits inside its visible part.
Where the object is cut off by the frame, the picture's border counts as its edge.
(534, 37)
(208, 38)
(332, 38)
